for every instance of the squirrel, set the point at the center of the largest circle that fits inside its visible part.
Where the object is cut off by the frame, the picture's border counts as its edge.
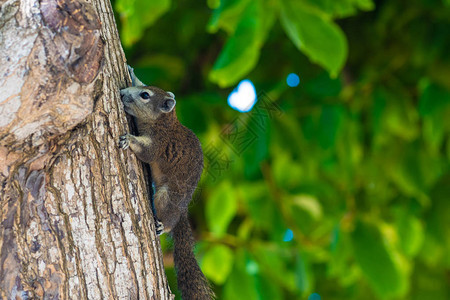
(175, 157)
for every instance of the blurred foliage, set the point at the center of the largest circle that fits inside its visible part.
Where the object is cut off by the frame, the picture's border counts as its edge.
(338, 188)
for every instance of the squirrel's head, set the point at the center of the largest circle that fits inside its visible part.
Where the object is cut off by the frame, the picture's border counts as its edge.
(147, 102)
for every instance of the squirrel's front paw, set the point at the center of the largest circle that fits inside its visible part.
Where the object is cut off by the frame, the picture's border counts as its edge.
(159, 227)
(124, 141)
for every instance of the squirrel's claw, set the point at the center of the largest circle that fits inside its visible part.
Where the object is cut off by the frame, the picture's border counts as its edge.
(124, 142)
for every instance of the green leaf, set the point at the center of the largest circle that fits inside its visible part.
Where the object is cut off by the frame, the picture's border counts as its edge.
(241, 52)
(429, 283)
(267, 290)
(434, 106)
(259, 130)
(377, 261)
(365, 4)
(349, 149)
(330, 123)
(214, 4)
(310, 204)
(304, 275)
(227, 15)
(274, 264)
(411, 233)
(323, 86)
(434, 130)
(137, 15)
(436, 247)
(287, 172)
(394, 114)
(342, 8)
(241, 283)
(341, 264)
(221, 208)
(433, 98)
(217, 263)
(412, 169)
(265, 215)
(315, 35)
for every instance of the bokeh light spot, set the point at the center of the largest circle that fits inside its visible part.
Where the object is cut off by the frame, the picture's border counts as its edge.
(252, 267)
(292, 80)
(314, 296)
(288, 235)
(243, 97)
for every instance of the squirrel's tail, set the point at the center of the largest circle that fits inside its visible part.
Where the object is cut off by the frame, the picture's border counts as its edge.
(191, 281)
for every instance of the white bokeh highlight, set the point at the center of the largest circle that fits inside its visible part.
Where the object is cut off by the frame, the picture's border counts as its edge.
(243, 97)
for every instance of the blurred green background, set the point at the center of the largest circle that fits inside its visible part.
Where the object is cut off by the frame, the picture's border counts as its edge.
(334, 188)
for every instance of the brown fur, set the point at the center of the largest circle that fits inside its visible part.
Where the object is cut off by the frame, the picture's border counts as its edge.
(175, 156)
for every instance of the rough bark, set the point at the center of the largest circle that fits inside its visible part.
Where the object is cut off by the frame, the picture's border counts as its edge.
(75, 217)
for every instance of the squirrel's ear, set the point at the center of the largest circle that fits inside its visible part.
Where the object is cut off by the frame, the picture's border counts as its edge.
(134, 80)
(172, 95)
(167, 105)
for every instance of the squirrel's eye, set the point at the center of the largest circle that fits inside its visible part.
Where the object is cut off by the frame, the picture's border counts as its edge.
(145, 95)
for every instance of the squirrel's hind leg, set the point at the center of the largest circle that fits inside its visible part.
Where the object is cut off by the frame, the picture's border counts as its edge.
(167, 211)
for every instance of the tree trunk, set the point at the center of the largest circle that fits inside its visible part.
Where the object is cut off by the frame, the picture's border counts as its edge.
(75, 216)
